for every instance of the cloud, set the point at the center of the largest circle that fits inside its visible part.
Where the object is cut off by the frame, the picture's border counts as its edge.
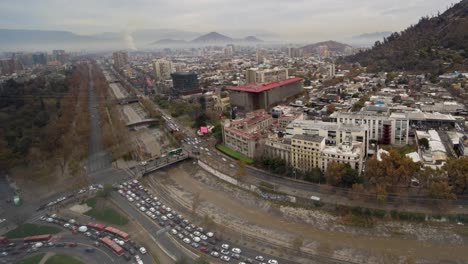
(297, 19)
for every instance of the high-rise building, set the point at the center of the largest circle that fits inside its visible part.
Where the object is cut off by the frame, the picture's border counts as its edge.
(185, 82)
(255, 75)
(260, 55)
(120, 59)
(228, 51)
(294, 52)
(39, 58)
(163, 69)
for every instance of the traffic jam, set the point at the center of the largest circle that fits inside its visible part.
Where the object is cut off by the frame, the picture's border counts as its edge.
(191, 235)
(116, 240)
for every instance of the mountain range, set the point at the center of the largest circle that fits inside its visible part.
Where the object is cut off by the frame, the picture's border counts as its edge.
(435, 44)
(37, 40)
(210, 38)
(333, 46)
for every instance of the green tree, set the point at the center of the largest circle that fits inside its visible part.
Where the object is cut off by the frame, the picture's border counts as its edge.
(423, 143)
(457, 172)
(441, 190)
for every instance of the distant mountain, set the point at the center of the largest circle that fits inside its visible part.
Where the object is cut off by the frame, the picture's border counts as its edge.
(251, 39)
(333, 46)
(169, 41)
(374, 35)
(435, 44)
(148, 36)
(213, 37)
(22, 39)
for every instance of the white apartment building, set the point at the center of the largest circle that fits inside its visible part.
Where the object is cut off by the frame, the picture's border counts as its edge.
(382, 127)
(351, 153)
(332, 132)
(255, 75)
(163, 69)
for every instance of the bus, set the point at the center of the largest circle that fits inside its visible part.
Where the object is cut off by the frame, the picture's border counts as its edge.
(176, 151)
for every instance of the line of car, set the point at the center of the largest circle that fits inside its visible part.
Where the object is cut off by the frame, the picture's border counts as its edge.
(91, 188)
(192, 235)
(129, 246)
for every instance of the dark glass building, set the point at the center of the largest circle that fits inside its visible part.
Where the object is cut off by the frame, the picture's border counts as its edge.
(185, 83)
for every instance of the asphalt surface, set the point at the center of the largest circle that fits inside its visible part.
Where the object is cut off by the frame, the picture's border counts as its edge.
(157, 234)
(98, 158)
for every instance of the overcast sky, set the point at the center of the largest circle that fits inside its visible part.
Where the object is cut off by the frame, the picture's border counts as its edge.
(324, 19)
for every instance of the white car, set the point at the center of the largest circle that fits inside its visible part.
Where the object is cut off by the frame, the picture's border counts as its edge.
(209, 234)
(272, 261)
(259, 258)
(186, 240)
(152, 209)
(225, 258)
(143, 250)
(174, 232)
(142, 209)
(236, 250)
(196, 239)
(203, 237)
(225, 246)
(196, 233)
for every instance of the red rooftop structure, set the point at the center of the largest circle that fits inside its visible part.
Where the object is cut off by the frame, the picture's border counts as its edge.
(255, 96)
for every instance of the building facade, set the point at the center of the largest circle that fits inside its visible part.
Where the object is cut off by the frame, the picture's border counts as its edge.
(163, 69)
(349, 152)
(185, 83)
(255, 75)
(243, 135)
(255, 96)
(120, 59)
(306, 152)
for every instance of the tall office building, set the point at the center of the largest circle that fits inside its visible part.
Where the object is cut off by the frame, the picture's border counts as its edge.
(255, 75)
(120, 59)
(260, 55)
(228, 51)
(39, 58)
(294, 52)
(185, 83)
(163, 69)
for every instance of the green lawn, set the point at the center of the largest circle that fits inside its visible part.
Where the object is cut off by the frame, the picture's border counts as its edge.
(233, 154)
(31, 260)
(31, 230)
(91, 202)
(108, 215)
(63, 259)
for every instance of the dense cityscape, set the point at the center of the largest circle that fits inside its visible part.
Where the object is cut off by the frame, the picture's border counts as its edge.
(170, 146)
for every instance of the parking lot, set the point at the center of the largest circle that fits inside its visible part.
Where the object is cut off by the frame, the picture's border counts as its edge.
(193, 237)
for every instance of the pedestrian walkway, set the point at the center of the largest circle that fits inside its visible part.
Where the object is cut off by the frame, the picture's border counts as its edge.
(46, 257)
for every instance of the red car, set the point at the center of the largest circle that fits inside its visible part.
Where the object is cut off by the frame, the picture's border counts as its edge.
(72, 244)
(204, 249)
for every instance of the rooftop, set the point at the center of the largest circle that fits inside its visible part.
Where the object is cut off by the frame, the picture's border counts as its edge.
(313, 138)
(261, 87)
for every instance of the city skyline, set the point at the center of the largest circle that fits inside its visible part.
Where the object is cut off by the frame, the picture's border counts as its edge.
(296, 20)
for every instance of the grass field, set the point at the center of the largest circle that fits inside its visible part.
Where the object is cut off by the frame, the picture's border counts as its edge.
(31, 230)
(233, 154)
(108, 215)
(31, 260)
(63, 259)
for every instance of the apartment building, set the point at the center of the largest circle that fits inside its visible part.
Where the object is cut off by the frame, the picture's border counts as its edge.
(243, 135)
(306, 151)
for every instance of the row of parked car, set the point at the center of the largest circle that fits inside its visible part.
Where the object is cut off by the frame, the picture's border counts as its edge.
(192, 235)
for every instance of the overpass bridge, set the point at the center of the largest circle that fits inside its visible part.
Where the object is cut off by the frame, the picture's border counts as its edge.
(157, 163)
(127, 100)
(147, 121)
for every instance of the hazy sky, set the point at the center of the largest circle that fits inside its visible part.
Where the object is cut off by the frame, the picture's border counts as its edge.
(289, 18)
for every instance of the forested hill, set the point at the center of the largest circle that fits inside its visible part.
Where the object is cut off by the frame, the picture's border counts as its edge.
(436, 44)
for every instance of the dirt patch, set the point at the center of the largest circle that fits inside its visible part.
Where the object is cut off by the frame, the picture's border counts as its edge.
(80, 208)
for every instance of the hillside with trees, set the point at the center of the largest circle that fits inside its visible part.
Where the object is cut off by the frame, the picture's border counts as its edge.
(435, 44)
